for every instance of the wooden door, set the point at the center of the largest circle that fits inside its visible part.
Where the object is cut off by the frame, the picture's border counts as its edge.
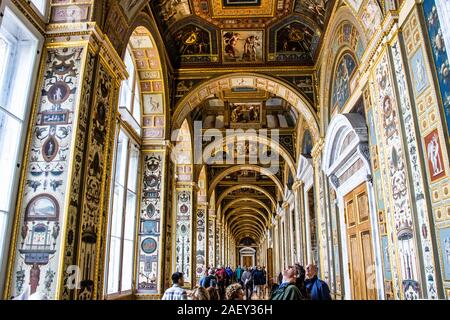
(359, 243)
(247, 261)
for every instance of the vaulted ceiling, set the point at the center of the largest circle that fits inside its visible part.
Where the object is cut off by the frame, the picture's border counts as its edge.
(244, 32)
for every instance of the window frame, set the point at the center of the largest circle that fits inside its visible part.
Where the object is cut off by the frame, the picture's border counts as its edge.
(133, 86)
(26, 124)
(44, 15)
(131, 141)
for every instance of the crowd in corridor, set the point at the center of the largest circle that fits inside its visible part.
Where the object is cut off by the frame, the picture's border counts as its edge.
(250, 283)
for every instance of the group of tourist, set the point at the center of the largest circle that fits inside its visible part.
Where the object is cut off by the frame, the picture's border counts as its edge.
(294, 283)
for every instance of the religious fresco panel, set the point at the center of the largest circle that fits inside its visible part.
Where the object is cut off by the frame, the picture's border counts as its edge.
(341, 85)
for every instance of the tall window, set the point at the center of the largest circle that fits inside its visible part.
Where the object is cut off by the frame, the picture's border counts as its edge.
(18, 62)
(123, 218)
(130, 96)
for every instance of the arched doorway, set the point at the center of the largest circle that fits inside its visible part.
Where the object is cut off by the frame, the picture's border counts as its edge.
(346, 164)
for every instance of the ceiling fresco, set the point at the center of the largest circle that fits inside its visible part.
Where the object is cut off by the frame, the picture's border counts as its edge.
(217, 33)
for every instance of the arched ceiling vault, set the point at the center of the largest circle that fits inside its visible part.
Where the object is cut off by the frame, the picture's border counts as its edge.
(247, 224)
(246, 228)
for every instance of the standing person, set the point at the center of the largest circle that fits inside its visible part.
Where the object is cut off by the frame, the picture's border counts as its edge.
(316, 288)
(258, 280)
(264, 280)
(203, 278)
(287, 289)
(221, 276)
(247, 280)
(229, 272)
(300, 279)
(238, 274)
(176, 292)
(210, 280)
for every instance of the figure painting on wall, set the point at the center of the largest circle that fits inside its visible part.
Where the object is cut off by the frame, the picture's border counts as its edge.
(341, 89)
(153, 103)
(434, 155)
(444, 237)
(243, 46)
(419, 72)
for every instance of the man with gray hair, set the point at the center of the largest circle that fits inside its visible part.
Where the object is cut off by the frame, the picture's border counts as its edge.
(316, 288)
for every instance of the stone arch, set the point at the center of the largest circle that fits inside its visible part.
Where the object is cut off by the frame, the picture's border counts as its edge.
(233, 215)
(252, 80)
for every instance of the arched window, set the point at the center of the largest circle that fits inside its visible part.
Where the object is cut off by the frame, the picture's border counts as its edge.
(19, 43)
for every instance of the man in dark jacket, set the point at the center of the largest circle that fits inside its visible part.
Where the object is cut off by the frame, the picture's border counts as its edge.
(316, 288)
(287, 289)
(247, 280)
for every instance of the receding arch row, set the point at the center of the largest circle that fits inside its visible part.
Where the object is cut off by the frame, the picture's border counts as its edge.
(259, 202)
(251, 167)
(245, 186)
(245, 227)
(237, 212)
(246, 224)
(267, 83)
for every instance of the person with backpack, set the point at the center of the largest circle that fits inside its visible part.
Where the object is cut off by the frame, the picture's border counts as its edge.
(221, 276)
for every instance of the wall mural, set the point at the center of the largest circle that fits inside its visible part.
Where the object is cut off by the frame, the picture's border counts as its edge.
(418, 186)
(242, 46)
(43, 204)
(210, 242)
(130, 7)
(436, 18)
(149, 236)
(201, 242)
(444, 242)
(95, 181)
(183, 233)
(76, 185)
(341, 84)
(371, 18)
(397, 181)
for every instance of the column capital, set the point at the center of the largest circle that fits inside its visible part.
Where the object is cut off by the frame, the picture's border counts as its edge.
(317, 148)
(297, 184)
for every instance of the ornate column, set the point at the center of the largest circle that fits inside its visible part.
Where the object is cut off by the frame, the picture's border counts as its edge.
(316, 154)
(297, 189)
(184, 250)
(64, 191)
(201, 248)
(211, 238)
